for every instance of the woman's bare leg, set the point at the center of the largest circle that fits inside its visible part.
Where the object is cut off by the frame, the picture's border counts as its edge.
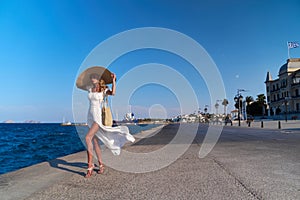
(97, 149)
(98, 153)
(88, 139)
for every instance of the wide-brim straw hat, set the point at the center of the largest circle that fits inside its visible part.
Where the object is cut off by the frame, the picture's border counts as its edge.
(83, 80)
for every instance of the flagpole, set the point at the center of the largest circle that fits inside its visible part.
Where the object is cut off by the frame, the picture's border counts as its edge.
(287, 43)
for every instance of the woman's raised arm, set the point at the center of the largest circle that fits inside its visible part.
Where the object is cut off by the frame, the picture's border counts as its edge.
(113, 89)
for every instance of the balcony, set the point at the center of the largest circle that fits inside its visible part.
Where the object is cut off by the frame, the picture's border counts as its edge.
(275, 90)
(295, 96)
(280, 99)
(283, 86)
(295, 84)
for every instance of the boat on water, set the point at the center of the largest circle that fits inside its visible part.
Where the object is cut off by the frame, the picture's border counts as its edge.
(64, 123)
(68, 123)
(73, 124)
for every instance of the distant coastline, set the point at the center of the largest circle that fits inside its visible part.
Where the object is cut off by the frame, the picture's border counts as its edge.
(26, 121)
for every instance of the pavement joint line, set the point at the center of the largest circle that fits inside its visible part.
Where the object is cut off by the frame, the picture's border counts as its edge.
(237, 180)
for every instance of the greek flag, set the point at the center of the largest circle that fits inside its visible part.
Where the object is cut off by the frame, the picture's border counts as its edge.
(293, 45)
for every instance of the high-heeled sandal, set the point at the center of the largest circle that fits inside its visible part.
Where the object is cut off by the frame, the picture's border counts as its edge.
(89, 172)
(101, 169)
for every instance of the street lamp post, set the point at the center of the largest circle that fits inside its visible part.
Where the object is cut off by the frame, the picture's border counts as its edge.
(238, 98)
(205, 111)
(286, 102)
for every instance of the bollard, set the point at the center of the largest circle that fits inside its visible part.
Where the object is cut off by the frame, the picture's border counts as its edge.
(262, 124)
(279, 125)
(249, 123)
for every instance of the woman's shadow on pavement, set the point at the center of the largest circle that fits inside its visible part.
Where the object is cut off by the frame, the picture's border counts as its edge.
(64, 165)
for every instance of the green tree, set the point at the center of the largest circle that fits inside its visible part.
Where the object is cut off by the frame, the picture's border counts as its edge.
(257, 108)
(249, 100)
(217, 107)
(225, 103)
(261, 100)
(254, 109)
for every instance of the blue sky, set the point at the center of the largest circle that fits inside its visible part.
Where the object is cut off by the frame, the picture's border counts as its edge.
(43, 44)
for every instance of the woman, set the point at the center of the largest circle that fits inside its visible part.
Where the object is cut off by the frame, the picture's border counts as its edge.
(112, 137)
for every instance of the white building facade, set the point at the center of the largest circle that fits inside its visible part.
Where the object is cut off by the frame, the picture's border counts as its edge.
(283, 93)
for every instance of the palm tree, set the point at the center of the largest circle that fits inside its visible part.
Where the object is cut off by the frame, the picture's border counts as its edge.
(217, 107)
(249, 100)
(225, 103)
(261, 100)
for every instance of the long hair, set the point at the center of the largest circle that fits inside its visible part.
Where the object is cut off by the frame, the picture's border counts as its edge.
(102, 86)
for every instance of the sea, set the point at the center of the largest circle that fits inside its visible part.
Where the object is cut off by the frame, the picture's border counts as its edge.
(25, 144)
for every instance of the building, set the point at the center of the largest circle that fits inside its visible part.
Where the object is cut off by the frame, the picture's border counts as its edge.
(283, 93)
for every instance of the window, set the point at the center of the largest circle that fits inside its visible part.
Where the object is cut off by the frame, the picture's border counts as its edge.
(297, 92)
(296, 80)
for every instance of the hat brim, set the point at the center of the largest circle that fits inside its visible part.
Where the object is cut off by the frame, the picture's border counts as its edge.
(83, 80)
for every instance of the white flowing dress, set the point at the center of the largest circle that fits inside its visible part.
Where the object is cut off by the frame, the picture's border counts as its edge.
(112, 137)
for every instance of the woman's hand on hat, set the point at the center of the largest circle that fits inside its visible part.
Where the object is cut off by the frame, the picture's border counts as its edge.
(114, 76)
